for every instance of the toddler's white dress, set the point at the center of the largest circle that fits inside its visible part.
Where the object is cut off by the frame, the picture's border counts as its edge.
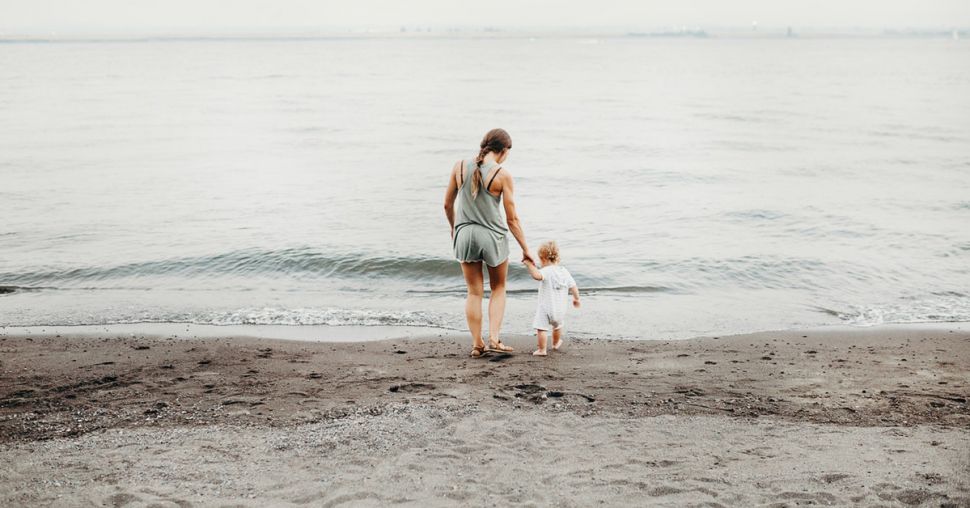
(553, 297)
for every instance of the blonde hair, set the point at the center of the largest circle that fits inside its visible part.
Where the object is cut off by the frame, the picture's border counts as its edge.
(549, 250)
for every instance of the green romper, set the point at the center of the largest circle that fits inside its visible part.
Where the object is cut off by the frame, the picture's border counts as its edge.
(480, 231)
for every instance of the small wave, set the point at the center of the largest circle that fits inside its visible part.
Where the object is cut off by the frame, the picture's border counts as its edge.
(329, 317)
(302, 262)
(268, 316)
(629, 289)
(585, 289)
(736, 118)
(914, 135)
(6, 290)
(950, 293)
(830, 312)
(946, 307)
(756, 214)
(311, 129)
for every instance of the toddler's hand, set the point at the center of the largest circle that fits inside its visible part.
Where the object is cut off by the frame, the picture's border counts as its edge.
(575, 303)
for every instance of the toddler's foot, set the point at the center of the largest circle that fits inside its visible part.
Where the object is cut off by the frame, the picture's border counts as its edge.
(557, 345)
(539, 352)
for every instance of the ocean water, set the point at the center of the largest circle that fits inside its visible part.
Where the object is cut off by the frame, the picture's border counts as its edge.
(694, 186)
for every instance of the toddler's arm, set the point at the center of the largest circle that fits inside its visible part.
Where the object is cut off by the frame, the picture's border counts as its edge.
(573, 290)
(533, 271)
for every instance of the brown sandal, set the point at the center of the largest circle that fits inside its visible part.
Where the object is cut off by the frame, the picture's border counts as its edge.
(478, 351)
(498, 347)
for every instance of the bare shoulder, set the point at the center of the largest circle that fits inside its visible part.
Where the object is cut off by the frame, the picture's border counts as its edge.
(503, 177)
(456, 175)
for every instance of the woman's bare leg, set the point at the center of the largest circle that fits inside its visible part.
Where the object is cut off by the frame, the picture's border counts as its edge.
(496, 302)
(475, 281)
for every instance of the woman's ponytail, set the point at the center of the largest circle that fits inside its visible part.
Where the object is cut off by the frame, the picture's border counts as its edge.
(495, 140)
(477, 180)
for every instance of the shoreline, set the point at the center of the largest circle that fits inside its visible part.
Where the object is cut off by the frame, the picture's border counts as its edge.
(192, 331)
(825, 416)
(370, 333)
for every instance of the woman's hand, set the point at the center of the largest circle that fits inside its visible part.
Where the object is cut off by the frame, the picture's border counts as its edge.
(527, 257)
(531, 266)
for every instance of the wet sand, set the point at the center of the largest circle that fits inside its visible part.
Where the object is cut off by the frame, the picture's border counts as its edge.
(826, 416)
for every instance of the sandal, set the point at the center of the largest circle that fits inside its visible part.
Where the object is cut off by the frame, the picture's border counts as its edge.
(478, 351)
(498, 347)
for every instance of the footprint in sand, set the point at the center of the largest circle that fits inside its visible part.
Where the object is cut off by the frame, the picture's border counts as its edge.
(663, 490)
(411, 388)
(834, 477)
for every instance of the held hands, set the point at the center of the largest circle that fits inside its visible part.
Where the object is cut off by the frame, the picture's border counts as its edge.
(528, 258)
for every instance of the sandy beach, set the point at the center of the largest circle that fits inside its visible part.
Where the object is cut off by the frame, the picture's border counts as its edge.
(868, 416)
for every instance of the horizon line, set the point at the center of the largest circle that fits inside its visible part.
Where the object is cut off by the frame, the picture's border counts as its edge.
(424, 31)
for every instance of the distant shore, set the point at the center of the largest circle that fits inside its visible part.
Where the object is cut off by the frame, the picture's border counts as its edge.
(830, 416)
(414, 33)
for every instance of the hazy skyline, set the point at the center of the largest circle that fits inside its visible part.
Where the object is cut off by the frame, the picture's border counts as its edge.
(213, 16)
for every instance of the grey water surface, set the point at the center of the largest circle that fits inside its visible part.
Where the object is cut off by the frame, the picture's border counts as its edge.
(694, 186)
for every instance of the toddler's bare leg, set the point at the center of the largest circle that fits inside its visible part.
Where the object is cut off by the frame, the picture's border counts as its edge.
(541, 338)
(556, 338)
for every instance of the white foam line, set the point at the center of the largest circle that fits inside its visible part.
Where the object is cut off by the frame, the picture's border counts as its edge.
(311, 333)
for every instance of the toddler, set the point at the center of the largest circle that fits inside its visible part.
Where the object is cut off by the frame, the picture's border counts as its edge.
(555, 286)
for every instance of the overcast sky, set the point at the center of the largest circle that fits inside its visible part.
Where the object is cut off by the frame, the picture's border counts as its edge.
(219, 16)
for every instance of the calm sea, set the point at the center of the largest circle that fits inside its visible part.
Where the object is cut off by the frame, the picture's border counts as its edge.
(694, 186)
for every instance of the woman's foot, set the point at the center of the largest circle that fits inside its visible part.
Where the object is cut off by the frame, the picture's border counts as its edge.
(539, 352)
(497, 346)
(478, 351)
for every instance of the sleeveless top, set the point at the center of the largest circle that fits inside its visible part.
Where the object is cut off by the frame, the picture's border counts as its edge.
(483, 209)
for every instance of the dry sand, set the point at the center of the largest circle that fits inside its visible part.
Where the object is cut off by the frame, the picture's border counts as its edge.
(831, 416)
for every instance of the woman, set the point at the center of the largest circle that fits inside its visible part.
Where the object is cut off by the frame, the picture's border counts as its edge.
(479, 186)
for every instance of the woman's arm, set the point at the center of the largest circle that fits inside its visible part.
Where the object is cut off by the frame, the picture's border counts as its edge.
(515, 226)
(450, 194)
